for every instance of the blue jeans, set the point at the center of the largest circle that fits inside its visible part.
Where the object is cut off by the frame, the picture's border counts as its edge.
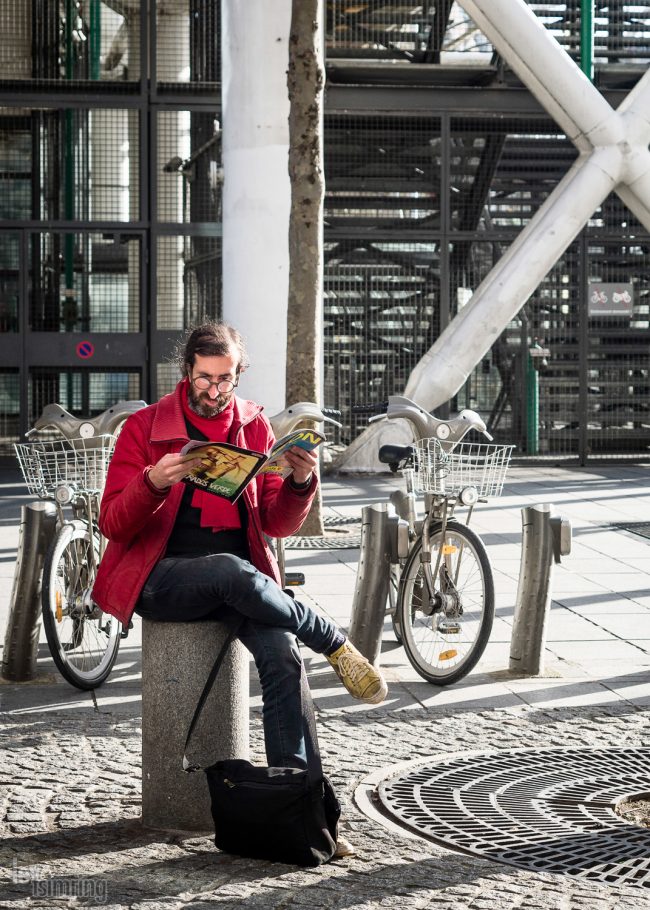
(219, 586)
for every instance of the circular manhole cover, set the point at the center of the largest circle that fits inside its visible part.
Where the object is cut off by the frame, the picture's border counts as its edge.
(550, 810)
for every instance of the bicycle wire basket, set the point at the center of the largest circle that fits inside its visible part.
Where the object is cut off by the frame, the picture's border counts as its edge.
(82, 463)
(468, 464)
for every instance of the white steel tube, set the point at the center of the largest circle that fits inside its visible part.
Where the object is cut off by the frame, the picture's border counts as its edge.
(548, 71)
(448, 363)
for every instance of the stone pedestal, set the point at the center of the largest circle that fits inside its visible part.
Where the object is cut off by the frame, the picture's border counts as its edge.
(176, 661)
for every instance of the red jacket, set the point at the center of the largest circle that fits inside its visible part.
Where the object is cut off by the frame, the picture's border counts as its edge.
(137, 522)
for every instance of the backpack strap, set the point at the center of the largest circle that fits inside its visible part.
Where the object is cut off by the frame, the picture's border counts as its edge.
(234, 628)
(314, 765)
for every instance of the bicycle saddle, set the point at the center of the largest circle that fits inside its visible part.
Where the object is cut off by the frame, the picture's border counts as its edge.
(392, 455)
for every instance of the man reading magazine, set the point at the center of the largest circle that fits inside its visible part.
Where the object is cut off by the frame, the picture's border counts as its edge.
(226, 470)
(177, 553)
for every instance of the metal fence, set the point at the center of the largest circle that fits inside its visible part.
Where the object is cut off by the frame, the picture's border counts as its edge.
(110, 215)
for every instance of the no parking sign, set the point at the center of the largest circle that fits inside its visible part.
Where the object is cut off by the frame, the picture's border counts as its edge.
(85, 349)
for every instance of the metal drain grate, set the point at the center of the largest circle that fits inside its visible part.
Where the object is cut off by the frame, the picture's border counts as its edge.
(642, 528)
(336, 521)
(549, 811)
(339, 542)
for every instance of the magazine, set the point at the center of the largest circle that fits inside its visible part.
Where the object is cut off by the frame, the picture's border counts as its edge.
(226, 469)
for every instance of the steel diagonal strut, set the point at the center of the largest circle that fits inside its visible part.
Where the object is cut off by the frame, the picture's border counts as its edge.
(613, 155)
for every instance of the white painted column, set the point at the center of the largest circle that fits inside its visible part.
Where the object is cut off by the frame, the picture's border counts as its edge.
(256, 192)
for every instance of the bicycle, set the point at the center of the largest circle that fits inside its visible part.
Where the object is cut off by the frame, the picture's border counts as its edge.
(442, 588)
(282, 423)
(71, 471)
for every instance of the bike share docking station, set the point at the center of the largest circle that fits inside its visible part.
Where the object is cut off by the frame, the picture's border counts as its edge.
(546, 537)
(384, 535)
(37, 530)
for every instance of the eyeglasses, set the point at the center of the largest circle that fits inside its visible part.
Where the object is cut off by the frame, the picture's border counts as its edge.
(223, 386)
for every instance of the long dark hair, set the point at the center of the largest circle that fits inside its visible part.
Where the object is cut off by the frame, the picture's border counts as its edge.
(210, 339)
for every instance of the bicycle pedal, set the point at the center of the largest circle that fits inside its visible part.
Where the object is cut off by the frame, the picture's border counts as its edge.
(125, 632)
(448, 627)
(294, 579)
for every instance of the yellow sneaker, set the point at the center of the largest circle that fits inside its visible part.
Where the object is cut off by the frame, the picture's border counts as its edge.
(358, 675)
(344, 848)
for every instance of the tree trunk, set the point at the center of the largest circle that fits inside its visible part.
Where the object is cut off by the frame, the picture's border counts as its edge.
(305, 81)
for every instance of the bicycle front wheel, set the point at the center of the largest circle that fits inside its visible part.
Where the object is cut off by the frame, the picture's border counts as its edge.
(83, 640)
(445, 636)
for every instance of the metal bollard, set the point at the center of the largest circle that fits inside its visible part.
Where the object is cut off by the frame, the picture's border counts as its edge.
(373, 579)
(37, 526)
(546, 538)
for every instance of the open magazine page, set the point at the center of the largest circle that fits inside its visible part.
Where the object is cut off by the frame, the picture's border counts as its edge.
(303, 439)
(226, 469)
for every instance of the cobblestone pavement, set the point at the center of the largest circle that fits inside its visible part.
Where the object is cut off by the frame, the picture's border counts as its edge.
(71, 801)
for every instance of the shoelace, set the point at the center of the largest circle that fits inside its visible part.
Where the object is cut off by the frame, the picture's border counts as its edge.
(351, 666)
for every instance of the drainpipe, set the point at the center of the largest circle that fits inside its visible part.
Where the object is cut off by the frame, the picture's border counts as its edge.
(69, 308)
(95, 38)
(69, 151)
(532, 407)
(587, 38)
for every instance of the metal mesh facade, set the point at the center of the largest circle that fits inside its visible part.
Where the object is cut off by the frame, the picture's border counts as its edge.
(413, 228)
(110, 212)
(72, 164)
(442, 32)
(84, 283)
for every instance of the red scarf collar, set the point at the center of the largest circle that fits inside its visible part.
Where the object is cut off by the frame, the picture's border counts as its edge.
(216, 513)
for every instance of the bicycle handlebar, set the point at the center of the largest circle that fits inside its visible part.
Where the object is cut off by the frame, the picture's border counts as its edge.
(288, 419)
(55, 417)
(331, 412)
(424, 424)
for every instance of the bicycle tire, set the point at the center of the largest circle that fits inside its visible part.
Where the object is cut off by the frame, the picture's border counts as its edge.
(84, 648)
(442, 658)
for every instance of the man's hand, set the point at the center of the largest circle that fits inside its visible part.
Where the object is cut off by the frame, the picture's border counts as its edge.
(171, 469)
(301, 462)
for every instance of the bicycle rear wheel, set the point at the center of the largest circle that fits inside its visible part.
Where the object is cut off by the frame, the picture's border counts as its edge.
(445, 637)
(83, 640)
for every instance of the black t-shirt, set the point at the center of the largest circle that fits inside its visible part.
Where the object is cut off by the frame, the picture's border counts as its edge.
(189, 539)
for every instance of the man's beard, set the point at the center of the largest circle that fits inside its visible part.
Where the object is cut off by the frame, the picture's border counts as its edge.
(197, 403)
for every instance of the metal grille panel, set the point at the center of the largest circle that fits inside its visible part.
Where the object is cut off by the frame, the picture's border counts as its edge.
(85, 393)
(188, 280)
(9, 408)
(382, 173)
(444, 33)
(381, 313)
(85, 282)
(189, 173)
(618, 367)
(75, 43)
(549, 811)
(188, 44)
(70, 164)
